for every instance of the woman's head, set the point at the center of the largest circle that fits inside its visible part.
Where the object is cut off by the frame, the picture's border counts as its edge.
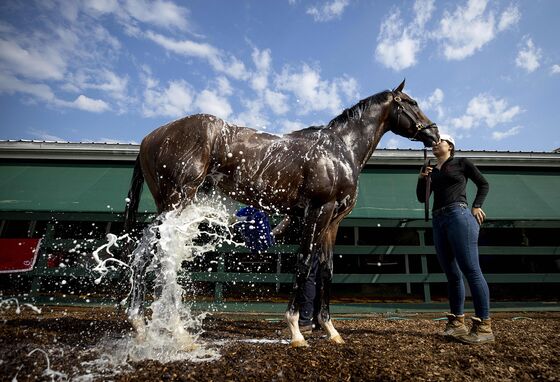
(445, 145)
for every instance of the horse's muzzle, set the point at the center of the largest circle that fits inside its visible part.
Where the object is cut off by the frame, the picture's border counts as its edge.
(429, 135)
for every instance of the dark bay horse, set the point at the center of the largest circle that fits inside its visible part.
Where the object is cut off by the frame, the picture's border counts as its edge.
(310, 174)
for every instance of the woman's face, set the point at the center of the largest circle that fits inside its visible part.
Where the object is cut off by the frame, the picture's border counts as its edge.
(441, 148)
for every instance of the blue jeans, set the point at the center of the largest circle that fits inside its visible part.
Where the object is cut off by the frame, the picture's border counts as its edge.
(456, 241)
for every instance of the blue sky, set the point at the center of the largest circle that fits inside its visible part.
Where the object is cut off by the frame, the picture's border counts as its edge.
(487, 72)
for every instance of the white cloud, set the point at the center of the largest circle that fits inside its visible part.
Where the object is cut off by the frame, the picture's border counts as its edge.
(32, 59)
(179, 98)
(105, 80)
(101, 6)
(103, 36)
(397, 52)
(277, 101)
(461, 32)
(72, 56)
(233, 67)
(185, 47)
(466, 30)
(174, 101)
(499, 135)
(262, 60)
(348, 86)
(313, 93)
(555, 69)
(434, 102)
(486, 109)
(436, 98)
(88, 104)
(252, 116)
(70, 11)
(209, 102)
(228, 65)
(509, 17)
(329, 11)
(11, 84)
(399, 44)
(157, 12)
(423, 10)
(528, 56)
(113, 84)
(223, 86)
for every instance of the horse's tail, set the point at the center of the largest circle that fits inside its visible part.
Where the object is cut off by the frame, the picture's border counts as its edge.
(133, 199)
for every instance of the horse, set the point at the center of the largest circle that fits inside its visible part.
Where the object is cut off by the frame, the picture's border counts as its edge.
(309, 175)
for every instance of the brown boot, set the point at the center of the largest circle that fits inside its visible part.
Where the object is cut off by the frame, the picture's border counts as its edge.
(455, 326)
(481, 332)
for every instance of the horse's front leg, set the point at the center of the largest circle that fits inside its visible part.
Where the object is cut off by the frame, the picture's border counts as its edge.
(326, 274)
(324, 314)
(315, 223)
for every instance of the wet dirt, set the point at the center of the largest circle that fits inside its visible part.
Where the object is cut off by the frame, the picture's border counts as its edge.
(379, 347)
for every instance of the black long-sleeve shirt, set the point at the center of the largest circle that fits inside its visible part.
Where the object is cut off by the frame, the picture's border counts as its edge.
(449, 183)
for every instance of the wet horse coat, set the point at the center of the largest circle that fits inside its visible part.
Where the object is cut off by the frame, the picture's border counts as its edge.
(311, 174)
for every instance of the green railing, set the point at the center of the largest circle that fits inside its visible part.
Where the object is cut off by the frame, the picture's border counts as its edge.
(220, 275)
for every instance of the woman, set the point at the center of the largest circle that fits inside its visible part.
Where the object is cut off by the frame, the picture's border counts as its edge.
(456, 238)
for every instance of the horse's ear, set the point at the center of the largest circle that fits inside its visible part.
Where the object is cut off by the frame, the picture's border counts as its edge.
(400, 87)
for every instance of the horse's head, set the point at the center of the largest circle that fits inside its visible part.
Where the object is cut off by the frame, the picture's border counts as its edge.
(408, 120)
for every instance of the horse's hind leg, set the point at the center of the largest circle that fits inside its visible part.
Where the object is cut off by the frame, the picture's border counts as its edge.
(292, 313)
(141, 259)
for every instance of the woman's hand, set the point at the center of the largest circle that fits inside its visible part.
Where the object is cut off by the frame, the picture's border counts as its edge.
(478, 214)
(424, 172)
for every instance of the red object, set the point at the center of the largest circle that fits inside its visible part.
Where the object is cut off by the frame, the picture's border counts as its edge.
(54, 260)
(18, 255)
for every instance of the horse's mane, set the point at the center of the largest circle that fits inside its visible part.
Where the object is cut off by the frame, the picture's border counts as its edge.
(352, 112)
(356, 110)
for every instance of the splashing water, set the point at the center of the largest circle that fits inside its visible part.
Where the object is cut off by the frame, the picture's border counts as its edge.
(14, 300)
(172, 333)
(48, 372)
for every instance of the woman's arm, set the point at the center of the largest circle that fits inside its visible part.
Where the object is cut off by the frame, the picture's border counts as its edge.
(421, 185)
(482, 188)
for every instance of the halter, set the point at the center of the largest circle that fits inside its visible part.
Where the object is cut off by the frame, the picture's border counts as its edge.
(419, 126)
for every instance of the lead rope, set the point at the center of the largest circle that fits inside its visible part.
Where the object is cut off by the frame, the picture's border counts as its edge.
(428, 183)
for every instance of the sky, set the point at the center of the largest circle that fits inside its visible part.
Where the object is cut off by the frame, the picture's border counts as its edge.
(487, 72)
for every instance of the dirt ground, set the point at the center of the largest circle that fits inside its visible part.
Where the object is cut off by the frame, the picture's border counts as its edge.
(383, 347)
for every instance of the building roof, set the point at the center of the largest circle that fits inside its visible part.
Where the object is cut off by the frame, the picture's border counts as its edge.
(92, 151)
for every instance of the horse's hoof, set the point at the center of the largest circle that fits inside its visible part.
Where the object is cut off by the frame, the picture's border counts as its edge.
(299, 344)
(337, 339)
